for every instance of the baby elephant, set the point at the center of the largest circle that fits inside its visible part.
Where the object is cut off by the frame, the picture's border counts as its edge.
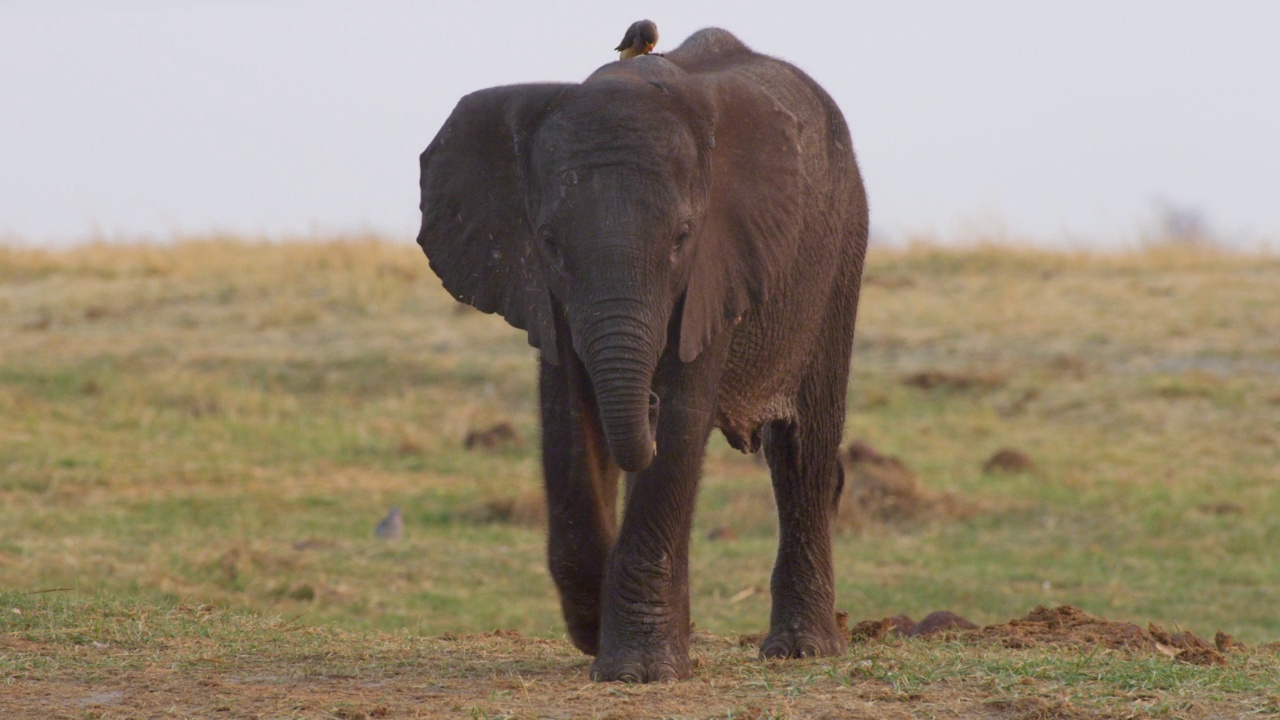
(682, 237)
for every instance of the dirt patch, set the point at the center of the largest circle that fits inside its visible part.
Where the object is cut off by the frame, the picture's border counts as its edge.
(1067, 626)
(1060, 627)
(380, 711)
(1036, 708)
(1018, 404)
(1068, 367)
(882, 489)
(1189, 648)
(1009, 461)
(1226, 643)
(313, 672)
(240, 560)
(954, 381)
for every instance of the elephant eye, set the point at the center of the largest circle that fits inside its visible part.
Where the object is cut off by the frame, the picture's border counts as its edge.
(549, 243)
(682, 235)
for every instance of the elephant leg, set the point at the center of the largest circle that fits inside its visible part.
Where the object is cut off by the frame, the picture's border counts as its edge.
(582, 486)
(644, 632)
(803, 455)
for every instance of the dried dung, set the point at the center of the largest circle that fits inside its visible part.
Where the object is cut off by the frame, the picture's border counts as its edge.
(869, 630)
(1200, 656)
(904, 626)
(1226, 643)
(939, 621)
(1189, 647)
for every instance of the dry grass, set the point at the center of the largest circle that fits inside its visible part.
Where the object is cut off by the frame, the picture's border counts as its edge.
(222, 422)
(113, 659)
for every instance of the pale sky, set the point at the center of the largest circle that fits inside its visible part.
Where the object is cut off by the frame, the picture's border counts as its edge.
(1046, 122)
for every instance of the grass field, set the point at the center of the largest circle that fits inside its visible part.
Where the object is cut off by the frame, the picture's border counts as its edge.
(196, 442)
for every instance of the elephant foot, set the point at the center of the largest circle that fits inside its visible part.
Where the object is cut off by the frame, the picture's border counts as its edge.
(641, 667)
(798, 641)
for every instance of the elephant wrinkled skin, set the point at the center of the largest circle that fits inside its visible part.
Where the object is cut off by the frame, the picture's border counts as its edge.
(682, 237)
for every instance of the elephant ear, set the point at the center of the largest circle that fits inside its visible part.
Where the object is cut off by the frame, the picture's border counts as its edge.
(475, 228)
(750, 237)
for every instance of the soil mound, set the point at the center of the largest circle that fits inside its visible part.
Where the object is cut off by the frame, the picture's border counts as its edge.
(953, 381)
(1189, 648)
(1008, 461)
(939, 621)
(1069, 627)
(497, 437)
(882, 489)
(1064, 626)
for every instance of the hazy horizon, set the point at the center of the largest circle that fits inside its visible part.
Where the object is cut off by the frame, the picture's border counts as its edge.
(1066, 124)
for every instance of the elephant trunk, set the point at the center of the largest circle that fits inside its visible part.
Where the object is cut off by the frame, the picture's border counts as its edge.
(622, 375)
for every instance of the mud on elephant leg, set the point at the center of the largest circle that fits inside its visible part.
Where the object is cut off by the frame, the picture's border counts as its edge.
(644, 632)
(581, 483)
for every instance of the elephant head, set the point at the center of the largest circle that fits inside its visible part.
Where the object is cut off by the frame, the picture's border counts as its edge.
(639, 205)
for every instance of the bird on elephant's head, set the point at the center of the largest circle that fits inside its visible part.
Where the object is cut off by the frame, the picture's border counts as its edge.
(682, 237)
(639, 40)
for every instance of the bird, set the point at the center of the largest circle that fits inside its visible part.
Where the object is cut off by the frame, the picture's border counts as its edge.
(639, 40)
(391, 527)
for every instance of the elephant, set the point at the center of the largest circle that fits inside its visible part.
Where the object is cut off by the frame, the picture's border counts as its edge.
(682, 238)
